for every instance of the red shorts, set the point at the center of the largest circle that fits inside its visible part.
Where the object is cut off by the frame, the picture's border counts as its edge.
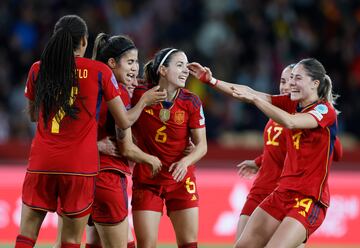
(74, 194)
(304, 209)
(111, 199)
(177, 196)
(252, 201)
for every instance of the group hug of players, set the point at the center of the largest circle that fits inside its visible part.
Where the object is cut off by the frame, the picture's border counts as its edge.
(94, 116)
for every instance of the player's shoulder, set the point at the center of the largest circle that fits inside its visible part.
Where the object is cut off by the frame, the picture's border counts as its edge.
(323, 107)
(188, 96)
(35, 66)
(92, 64)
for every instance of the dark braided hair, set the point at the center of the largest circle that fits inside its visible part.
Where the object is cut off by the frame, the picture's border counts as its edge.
(151, 68)
(57, 74)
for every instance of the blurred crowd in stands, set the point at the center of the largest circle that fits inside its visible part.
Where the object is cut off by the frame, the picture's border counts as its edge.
(241, 41)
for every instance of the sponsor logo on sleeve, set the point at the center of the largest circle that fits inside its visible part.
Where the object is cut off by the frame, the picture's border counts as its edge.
(317, 114)
(202, 120)
(114, 81)
(322, 109)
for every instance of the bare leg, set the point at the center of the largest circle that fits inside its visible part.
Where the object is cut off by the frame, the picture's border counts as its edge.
(146, 224)
(31, 221)
(186, 225)
(290, 233)
(243, 219)
(258, 230)
(73, 229)
(114, 235)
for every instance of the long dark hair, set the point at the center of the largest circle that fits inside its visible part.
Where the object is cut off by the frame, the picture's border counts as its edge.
(151, 68)
(107, 47)
(57, 74)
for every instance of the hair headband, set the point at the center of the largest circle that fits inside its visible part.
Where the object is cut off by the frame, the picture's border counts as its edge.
(165, 57)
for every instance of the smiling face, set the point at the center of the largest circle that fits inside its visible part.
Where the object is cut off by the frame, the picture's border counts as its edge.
(176, 73)
(284, 86)
(127, 69)
(303, 87)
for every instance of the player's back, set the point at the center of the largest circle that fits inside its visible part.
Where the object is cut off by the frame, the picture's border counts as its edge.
(64, 144)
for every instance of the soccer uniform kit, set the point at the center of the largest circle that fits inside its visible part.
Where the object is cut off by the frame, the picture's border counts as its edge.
(111, 199)
(163, 130)
(64, 152)
(303, 191)
(270, 166)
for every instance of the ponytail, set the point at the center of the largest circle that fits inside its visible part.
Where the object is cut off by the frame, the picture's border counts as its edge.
(107, 47)
(99, 45)
(150, 74)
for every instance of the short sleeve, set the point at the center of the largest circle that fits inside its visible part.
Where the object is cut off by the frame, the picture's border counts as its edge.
(323, 113)
(196, 115)
(30, 82)
(109, 86)
(258, 160)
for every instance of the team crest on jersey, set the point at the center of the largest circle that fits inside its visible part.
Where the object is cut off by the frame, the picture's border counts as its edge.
(179, 117)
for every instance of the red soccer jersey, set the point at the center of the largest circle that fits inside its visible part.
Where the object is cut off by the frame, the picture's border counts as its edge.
(107, 128)
(272, 159)
(310, 151)
(166, 138)
(69, 147)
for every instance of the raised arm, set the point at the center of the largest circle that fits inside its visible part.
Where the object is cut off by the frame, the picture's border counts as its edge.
(125, 119)
(290, 121)
(204, 74)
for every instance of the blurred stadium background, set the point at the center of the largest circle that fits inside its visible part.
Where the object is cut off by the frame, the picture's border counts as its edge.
(241, 41)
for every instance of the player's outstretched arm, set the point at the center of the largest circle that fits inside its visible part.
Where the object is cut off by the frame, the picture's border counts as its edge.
(204, 74)
(290, 121)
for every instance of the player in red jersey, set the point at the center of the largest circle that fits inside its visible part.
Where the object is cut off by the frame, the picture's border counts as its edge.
(111, 207)
(65, 91)
(164, 130)
(110, 203)
(298, 205)
(269, 164)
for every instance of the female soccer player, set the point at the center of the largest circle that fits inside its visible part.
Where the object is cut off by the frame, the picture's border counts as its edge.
(110, 208)
(298, 205)
(168, 128)
(65, 91)
(269, 164)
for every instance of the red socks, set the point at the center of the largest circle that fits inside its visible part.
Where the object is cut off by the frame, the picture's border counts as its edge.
(69, 245)
(131, 244)
(189, 245)
(24, 242)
